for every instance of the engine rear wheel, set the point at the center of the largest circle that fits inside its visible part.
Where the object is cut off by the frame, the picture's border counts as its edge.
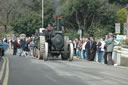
(65, 55)
(71, 52)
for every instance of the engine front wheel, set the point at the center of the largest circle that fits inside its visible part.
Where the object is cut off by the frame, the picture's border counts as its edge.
(45, 54)
(41, 47)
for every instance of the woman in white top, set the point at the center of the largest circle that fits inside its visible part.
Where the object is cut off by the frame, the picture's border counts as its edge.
(83, 48)
(100, 50)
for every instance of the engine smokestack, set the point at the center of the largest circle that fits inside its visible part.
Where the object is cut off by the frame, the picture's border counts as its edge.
(58, 23)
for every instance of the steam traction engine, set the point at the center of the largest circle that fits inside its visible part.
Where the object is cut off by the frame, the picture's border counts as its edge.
(54, 43)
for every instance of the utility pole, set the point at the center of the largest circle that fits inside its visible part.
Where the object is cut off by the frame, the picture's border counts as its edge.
(127, 22)
(42, 13)
(127, 18)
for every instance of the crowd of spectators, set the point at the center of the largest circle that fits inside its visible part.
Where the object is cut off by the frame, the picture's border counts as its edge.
(95, 50)
(23, 46)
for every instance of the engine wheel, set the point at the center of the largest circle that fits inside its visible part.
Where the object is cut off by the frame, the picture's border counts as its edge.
(65, 55)
(71, 52)
(45, 54)
(42, 46)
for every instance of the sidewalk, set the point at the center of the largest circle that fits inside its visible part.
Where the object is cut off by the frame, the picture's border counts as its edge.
(95, 62)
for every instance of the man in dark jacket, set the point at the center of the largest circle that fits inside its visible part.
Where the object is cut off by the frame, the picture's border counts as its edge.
(87, 47)
(15, 46)
(93, 49)
(22, 46)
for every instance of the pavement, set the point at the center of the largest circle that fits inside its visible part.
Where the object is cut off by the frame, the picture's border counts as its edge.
(31, 71)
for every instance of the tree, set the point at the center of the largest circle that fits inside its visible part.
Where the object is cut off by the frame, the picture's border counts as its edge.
(121, 15)
(35, 6)
(121, 2)
(85, 14)
(6, 8)
(13, 9)
(27, 25)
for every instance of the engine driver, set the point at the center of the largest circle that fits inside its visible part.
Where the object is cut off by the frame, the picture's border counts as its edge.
(49, 28)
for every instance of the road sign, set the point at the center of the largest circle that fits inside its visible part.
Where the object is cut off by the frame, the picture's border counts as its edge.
(121, 37)
(117, 28)
(125, 28)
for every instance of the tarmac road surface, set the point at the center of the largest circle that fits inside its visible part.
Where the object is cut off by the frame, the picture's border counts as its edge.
(30, 71)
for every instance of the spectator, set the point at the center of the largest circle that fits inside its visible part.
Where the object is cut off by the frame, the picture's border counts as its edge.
(22, 42)
(92, 49)
(88, 47)
(15, 46)
(12, 43)
(100, 50)
(32, 44)
(9, 42)
(80, 48)
(25, 53)
(86, 56)
(5, 44)
(75, 47)
(109, 49)
(83, 48)
(78, 52)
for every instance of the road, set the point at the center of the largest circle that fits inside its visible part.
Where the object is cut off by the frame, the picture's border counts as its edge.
(30, 71)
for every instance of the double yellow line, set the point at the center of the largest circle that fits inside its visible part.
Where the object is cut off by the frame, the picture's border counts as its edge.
(5, 65)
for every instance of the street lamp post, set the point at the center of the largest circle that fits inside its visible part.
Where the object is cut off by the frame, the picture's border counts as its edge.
(42, 13)
(80, 33)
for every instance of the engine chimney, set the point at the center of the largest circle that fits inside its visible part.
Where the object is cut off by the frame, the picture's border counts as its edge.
(58, 23)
